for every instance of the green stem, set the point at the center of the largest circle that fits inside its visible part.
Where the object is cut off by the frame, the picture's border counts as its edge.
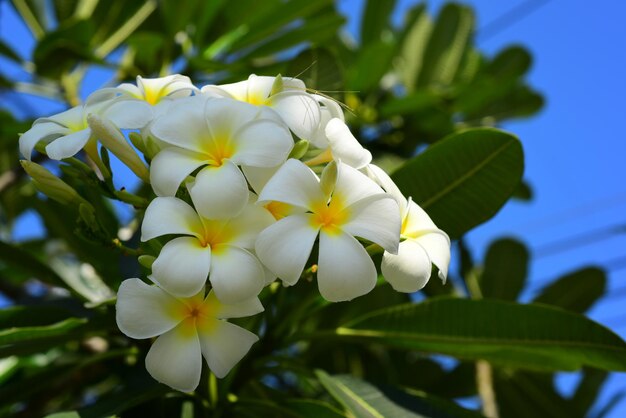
(29, 18)
(126, 250)
(136, 201)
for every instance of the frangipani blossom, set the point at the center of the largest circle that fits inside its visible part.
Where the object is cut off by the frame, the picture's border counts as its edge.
(217, 135)
(153, 90)
(329, 109)
(287, 96)
(423, 243)
(342, 146)
(68, 132)
(219, 249)
(344, 204)
(187, 330)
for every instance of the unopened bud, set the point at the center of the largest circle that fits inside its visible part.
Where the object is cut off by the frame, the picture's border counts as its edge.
(329, 178)
(50, 185)
(113, 139)
(299, 149)
(278, 85)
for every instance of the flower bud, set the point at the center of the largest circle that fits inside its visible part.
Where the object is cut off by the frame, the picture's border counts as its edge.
(113, 139)
(50, 185)
(299, 149)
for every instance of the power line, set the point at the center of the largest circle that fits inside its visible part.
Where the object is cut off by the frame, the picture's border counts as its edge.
(579, 240)
(509, 18)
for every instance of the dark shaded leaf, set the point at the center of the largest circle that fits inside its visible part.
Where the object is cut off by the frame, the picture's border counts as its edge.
(575, 291)
(505, 270)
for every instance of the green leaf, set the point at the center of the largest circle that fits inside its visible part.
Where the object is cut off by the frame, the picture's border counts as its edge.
(25, 316)
(34, 333)
(8, 52)
(414, 39)
(413, 103)
(505, 270)
(376, 18)
(504, 333)
(446, 45)
(523, 192)
(318, 68)
(311, 408)
(72, 414)
(23, 261)
(372, 64)
(365, 400)
(464, 179)
(575, 291)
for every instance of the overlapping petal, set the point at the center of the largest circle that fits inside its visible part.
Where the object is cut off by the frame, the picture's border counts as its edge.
(262, 143)
(344, 146)
(170, 167)
(243, 308)
(68, 145)
(352, 185)
(293, 183)
(409, 270)
(236, 274)
(169, 215)
(43, 131)
(224, 345)
(299, 110)
(219, 192)
(377, 219)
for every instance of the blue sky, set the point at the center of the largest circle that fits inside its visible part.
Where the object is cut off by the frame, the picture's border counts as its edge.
(574, 149)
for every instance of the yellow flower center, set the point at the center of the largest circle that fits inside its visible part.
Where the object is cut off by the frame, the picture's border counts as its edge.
(279, 210)
(330, 217)
(256, 99)
(218, 150)
(216, 233)
(196, 313)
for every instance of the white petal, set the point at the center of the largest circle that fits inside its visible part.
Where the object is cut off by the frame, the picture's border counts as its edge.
(128, 113)
(225, 117)
(258, 176)
(175, 358)
(236, 91)
(293, 183)
(246, 307)
(73, 118)
(246, 227)
(262, 143)
(376, 219)
(170, 167)
(409, 270)
(344, 145)
(39, 132)
(224, 345)
(219, 192)
(352, 185)
(169, 215)
(345, 270)
(259, 88)
(182, 267)
(416, 221)
(144, 311)
(285, 246)
(300, 111)
(329, 109)
(383, 180)
(437, 245)
(67, 146)
(236, 274)
(184, 124)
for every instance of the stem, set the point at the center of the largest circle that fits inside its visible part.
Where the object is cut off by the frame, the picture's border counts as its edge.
(126, 250)
(29, 18)
(136, 201)
(484, 381)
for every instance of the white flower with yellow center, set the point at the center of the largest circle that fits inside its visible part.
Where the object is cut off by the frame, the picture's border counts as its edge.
(68, 132)
(153, 90)
(187, 330)
(287, 96)
(423, 243)
(217, 135)
(219, 249)
(342, 146)
(345, 204)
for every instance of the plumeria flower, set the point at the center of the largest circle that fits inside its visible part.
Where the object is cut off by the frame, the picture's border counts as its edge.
(217, 135)
(68, 132)
(342, 146)
(187, 330)
(329, 109)
(258, 178)
(344, 204)
(423, 243)
(154, 90)
(287, 96)
(219, 249)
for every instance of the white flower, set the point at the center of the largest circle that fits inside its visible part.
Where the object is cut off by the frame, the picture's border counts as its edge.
(423, 243)
(344, 204)
(153, 90)
(217, 135)
(219, 249)
(187, 329)
(329, 109)
(287, 96)
(68, 132)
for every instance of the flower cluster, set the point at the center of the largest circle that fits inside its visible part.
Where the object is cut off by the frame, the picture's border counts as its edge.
(247, 177)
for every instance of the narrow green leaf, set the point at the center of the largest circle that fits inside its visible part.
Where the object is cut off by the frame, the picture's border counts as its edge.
(414, 39)
(464, 179)
(505, 269)
(413, 103)
(23, 334)
(25, 316)
(373, 62)
(22, 260)
(575, 291)
(376, 18)
(365, 400)
(8, 52)
(504, 333)
(446, 45)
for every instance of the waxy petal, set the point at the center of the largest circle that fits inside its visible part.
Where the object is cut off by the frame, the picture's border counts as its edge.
(144, 311)
(182, 267)
(353, 186)
(219, 192)
(225, 117)
(285, 246)
(437, 245)
(416, 221)
(376, 219)
(246, 307)
(293, 183)
(236, 274)
(344, 146)
(262, 143)
(128, 114)
(175, 358)
(170, 167)
(184, 125)
(68, 145)
(345, 270)
(170, 215)
(409, 270)
(39, 132)
(248, 225)
(299, 110)
(224, 345)
(383, 180)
